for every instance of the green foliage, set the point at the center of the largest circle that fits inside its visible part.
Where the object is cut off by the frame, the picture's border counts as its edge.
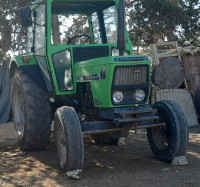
(147, 21)
(11, 33)
(190, 22)
(151, 20)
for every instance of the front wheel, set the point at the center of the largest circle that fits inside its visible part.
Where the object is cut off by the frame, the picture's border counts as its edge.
(68, 138)
(171, 140)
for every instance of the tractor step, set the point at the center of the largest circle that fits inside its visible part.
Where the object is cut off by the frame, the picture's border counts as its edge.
(130, 120)
(152, 111)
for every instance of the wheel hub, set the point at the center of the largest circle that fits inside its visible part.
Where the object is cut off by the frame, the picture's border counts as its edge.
(18, 111)
(63, 141)
(61, 144)
(161, 137)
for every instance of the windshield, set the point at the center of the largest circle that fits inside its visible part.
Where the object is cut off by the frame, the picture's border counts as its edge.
(110, 23)
(83, 23)
(70, 29)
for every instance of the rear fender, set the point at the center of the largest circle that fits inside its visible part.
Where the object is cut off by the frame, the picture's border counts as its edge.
(31, 68)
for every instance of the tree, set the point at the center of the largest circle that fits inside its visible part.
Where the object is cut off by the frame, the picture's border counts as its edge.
(190, 23)
(151, 20)
(12, 35)
(147, 21)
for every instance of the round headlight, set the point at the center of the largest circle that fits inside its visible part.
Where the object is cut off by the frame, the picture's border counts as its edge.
(139, 95)
(117, 97)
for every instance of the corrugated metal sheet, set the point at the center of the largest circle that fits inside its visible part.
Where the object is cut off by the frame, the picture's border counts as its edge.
(192, 72)
(180, 96)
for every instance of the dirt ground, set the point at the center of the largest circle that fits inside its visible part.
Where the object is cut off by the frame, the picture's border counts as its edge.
(131, 165)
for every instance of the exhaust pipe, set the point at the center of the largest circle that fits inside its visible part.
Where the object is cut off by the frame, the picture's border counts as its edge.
(121, 30)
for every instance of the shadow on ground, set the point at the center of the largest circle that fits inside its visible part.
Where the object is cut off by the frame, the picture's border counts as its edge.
(131, 165)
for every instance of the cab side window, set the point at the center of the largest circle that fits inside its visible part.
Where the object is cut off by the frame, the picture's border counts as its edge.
(39, 47)
(29, 43)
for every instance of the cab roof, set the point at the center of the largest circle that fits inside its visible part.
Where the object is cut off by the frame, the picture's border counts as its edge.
(61, 6)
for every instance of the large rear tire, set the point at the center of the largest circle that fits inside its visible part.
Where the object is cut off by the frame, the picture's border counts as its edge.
(31, 112)
(68, 139)
(167, 142)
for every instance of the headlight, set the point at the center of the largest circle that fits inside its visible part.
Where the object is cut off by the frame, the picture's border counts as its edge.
(139, 95)
(117, 97)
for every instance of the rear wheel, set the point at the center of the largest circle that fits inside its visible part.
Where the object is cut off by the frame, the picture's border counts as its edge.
(167, 142)
(68, 138)
(31, 112)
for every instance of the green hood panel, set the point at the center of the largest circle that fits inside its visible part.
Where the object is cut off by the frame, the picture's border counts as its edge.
(99, 73)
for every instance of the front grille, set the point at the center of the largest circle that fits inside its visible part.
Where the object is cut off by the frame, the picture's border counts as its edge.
(131, 75)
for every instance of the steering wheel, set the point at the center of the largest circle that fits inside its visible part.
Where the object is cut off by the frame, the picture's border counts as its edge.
(79, 36)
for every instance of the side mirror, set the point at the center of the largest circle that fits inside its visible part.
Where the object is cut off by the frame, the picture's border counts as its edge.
(25, 17)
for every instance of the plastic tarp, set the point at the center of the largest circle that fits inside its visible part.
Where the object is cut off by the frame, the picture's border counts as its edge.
(5, 96)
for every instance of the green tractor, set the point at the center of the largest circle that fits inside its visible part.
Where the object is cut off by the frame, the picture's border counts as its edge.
(80, 72)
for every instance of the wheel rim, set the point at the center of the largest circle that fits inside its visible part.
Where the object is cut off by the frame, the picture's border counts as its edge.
(19, 116)
(62, 149)
(161, 137)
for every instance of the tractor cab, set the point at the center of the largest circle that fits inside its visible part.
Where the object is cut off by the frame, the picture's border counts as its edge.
(63, 33)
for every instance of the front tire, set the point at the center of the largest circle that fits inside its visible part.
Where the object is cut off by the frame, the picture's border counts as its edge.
(68, 139)
(31, 112)
(167, 142)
